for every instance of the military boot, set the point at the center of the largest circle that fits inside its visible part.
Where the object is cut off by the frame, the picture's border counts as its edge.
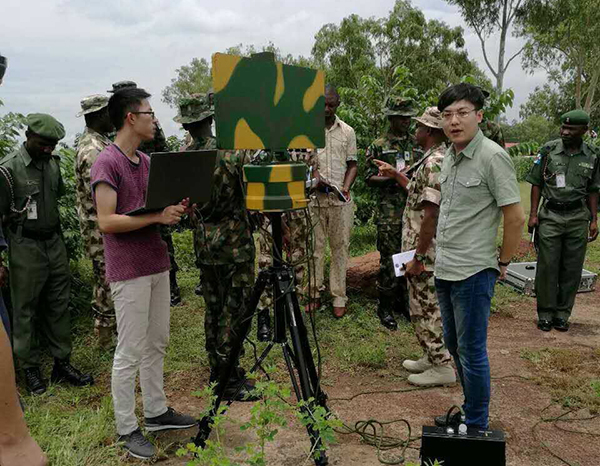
(384, 311)
(34, 381)
(263, 324)
(64, 371)
(175, 291)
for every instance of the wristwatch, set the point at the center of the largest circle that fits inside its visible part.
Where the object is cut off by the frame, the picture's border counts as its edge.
(420, 257)
(503, 264)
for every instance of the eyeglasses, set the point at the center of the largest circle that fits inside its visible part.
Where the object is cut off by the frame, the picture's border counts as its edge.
(461, 114)
(144, 113)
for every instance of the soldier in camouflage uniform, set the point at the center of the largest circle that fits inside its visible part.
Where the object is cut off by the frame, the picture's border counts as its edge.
(418, 232)
(224, 247)
(158, 144)
(397, 149)
(93, 141)
(196, 115)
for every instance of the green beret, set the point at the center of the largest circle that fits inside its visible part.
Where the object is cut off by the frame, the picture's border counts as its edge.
(46, 126)
(575, 117)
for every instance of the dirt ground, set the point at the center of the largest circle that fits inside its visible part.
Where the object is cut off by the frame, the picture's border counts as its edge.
(517, 404)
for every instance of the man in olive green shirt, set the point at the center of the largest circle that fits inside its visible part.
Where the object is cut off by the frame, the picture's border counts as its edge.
(30, 186)
(567, 175)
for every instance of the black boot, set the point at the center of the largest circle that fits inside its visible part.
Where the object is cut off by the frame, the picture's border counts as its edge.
(263, 324)
(175, 292)
(36, 385)
(64, 371)
(384, 311)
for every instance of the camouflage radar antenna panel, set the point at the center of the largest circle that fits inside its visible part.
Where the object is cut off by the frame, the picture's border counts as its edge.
(264, 104)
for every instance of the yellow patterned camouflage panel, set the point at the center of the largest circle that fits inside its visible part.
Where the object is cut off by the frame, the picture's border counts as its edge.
(276, 187)
(264, 104)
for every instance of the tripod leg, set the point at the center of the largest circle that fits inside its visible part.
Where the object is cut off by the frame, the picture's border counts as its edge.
(205, 426)
(319, 395)
(303, 354)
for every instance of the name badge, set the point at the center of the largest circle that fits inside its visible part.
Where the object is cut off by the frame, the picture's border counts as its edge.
(560, 180)
(32, 211)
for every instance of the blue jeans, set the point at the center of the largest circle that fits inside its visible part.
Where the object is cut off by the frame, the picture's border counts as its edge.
(465, 307)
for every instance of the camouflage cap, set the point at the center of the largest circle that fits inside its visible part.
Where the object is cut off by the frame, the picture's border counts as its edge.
(575, 117)
(194, 109)
(93, 103)
(122, 85)
(431, 117)
(399, 107)
(45, 125)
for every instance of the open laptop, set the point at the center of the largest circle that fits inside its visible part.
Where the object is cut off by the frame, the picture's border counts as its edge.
(178, 175)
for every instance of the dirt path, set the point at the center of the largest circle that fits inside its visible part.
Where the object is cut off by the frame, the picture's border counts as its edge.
(516, 406)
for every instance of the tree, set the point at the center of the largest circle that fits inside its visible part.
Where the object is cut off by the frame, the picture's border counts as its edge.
(534, 129)
(432, 51)
(190, 79)
(11, 126)
(488, 17)
(562, 38)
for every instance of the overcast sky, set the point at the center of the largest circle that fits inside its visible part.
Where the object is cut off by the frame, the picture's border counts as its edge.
(62, 50)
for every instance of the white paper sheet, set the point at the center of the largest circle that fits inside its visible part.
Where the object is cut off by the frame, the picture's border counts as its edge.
(400, 260)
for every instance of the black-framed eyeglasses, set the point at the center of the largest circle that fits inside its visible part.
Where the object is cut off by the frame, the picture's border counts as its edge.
(143, 113)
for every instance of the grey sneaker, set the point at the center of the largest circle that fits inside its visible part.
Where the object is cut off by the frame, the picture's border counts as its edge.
(137, 445)
(170, 420)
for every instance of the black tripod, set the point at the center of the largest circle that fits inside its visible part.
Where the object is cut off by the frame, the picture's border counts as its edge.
(298, 358)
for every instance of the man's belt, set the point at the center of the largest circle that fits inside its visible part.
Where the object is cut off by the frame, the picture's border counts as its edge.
(33, 234)
(564, 206)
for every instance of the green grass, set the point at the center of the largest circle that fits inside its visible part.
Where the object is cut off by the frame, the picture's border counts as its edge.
(76, 426)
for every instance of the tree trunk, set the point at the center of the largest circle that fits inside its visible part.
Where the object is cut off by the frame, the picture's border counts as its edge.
(578, 74)
(589, 101)
(502, 51)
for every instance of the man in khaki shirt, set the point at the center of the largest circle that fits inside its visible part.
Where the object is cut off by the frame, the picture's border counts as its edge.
(333, 218)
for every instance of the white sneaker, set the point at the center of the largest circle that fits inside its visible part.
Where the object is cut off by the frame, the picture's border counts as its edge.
(437, 375)
(418, 366)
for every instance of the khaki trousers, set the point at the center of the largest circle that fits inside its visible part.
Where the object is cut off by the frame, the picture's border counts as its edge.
(333, 223)
(142, 307)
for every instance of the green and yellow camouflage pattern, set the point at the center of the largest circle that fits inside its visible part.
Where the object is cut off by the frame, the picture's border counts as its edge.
(264, 104)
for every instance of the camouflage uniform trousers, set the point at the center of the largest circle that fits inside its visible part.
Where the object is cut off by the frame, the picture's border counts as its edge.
(102, 302)
(389, 242)
(226, 289)
(427, 319)
(296, 254)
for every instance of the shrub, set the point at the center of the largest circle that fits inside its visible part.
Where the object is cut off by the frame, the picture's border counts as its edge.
(523, 166)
